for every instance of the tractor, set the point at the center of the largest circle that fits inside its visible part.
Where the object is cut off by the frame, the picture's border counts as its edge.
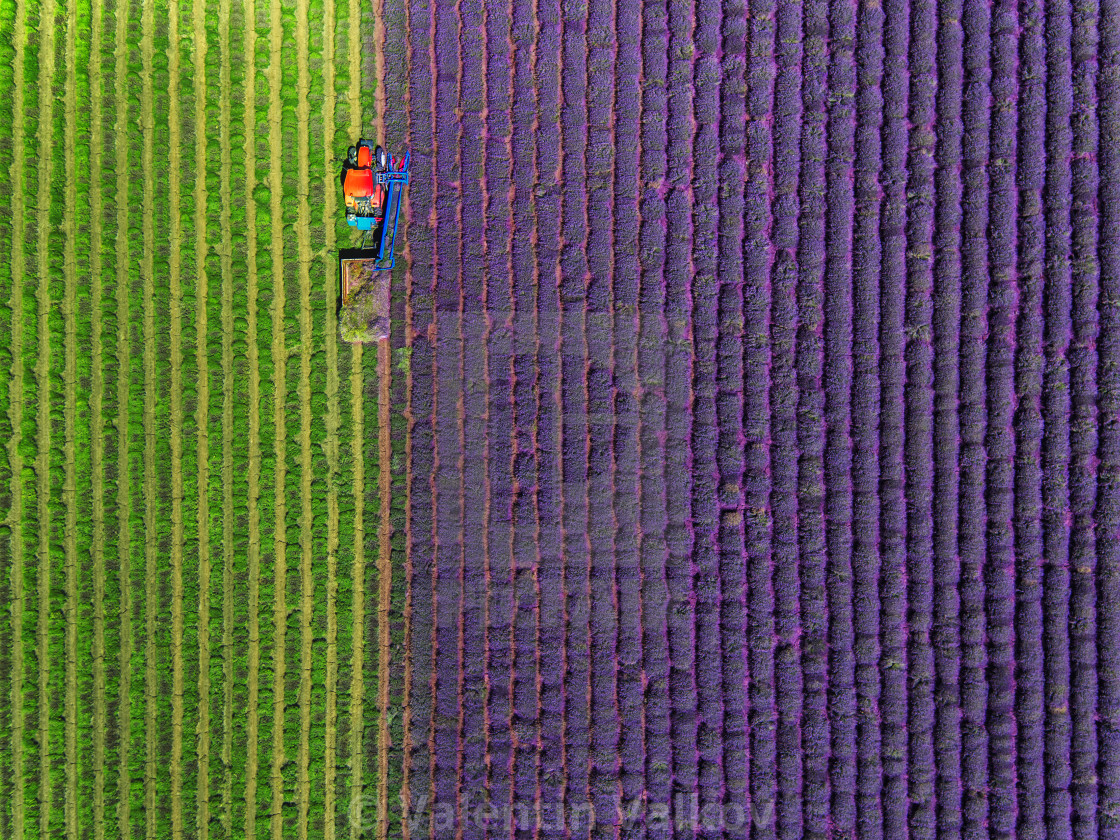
(372, 181)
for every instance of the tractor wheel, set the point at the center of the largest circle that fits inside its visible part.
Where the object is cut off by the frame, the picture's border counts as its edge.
(379, 158)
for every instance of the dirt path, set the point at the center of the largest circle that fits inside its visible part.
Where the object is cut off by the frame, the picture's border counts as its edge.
(202, 411)
(330, 208)
(333, 421)
(42, 458)
(151, 546)
(97, 434)
(124, 354)
(303, 115)
(176, 227)
(15, 411)
(69, 490)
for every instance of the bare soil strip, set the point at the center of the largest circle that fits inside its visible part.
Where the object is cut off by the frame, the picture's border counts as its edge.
(15, 413)
(124, 354)
(280, 366)
(97, 433)
(42, 374)
(303, 115)
(357, 666)
(224, 142)
(174, 188)
(332, 422)
(385, 579)
(69, 375)
(151, 547)
(202, 792)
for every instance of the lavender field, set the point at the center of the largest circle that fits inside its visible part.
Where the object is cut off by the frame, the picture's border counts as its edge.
(762, 459)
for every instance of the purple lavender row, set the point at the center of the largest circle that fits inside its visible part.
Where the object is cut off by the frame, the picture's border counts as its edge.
(892, 373)
(1029, 694)
(973, 418)
(418, 643)
(705, 504)
(946, 420)
(477, 222)
(865, 414)
(627, 479)
(783, 420)
(1003, 308)
(1108, 452)
(652, 335)
(447, 476)
(1084, 441)
(573, 372)
(599, 154)
(553, 606)
(734, 228)
(524, 695)
(758, 657)
(919, 403)
(679, 271)
(837, 376)
(811, 429)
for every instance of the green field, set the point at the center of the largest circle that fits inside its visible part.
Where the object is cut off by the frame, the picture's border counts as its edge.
(189, 550)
